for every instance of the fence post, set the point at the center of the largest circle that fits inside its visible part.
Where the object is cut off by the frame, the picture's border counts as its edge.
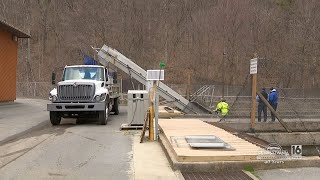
(34, 89)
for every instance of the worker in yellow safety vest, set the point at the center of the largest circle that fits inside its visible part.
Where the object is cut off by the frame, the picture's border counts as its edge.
(222, 107)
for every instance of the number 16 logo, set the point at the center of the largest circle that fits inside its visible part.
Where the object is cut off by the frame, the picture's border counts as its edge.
(296, 150)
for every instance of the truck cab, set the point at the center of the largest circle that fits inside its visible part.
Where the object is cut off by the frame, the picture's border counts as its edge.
(84, 92)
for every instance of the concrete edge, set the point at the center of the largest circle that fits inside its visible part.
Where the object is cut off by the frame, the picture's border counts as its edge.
(33, 128)
(179, 175)
(6, 103)
(170, 157)
(250, 175)
(272, 127)
(216, 166)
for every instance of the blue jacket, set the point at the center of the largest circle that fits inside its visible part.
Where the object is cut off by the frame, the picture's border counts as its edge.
(265, 95)
(273, 97)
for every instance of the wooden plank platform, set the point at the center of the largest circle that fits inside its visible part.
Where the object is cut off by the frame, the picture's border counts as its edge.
(165, 112)
(177, 128)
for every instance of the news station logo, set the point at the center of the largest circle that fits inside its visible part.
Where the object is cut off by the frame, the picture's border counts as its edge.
(274, 153)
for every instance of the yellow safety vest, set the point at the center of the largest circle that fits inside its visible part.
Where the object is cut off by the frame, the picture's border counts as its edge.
(223, 107)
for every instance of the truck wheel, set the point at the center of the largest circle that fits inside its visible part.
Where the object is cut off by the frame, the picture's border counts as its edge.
(103, 116)
(55, 119)
(79, 121)
(116, 106)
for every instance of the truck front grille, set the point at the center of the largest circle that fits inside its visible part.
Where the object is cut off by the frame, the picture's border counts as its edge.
(79, 92)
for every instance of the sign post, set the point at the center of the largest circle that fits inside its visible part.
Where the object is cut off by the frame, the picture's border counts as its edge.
(156, 76)
(253, 72)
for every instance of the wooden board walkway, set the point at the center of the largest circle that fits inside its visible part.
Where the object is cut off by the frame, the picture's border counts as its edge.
(177, 128)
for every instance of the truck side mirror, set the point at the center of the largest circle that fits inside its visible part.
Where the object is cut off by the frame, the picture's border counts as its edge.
(106, 73)
(115, 78)
(53, 78)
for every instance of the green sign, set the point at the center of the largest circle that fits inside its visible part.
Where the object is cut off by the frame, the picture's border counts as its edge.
(162, 65)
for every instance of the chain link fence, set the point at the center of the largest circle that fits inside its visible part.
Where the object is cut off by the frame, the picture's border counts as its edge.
(293, 103)
(34, 89)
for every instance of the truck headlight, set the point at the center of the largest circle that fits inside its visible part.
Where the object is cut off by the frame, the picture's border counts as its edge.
(53, 98)
(100, 98)
(97, 98)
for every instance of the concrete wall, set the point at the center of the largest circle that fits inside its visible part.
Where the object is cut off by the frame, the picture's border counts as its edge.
(297, 126)
(304, 133)
(288, 139)
(8, 64)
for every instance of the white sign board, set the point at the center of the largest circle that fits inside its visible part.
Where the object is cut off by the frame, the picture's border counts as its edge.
(254, 66)
(155, 75)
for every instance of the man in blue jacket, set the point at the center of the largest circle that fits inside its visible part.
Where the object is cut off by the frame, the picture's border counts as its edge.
(273, 100)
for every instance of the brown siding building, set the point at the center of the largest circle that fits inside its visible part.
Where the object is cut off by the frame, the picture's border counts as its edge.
(8, 60)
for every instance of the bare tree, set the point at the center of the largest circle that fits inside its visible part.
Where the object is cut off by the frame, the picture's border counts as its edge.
(191, 35)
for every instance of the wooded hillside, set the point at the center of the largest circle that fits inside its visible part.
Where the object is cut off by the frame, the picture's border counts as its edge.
(208, 38)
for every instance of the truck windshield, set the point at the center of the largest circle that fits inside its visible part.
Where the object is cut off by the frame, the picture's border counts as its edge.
(74, 73)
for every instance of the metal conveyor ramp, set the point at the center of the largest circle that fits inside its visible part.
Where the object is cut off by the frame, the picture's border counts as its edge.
(108, 55)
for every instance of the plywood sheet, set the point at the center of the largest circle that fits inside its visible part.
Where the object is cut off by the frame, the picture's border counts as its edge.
(163, 113)
(175, 129)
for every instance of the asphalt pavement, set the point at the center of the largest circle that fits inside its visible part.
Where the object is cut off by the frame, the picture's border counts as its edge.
(308, 173)
(22, 116)
(31, 148)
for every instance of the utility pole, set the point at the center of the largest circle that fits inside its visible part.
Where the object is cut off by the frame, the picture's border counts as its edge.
(253, 72)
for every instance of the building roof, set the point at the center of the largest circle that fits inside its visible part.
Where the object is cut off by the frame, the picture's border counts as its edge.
(15, 31)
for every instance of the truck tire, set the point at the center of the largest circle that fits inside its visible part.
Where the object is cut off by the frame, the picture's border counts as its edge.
(79, 121)
(102, 118)
(55, 118)
(116, 106)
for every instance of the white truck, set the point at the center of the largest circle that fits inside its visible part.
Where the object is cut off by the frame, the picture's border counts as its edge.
(85, 91)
